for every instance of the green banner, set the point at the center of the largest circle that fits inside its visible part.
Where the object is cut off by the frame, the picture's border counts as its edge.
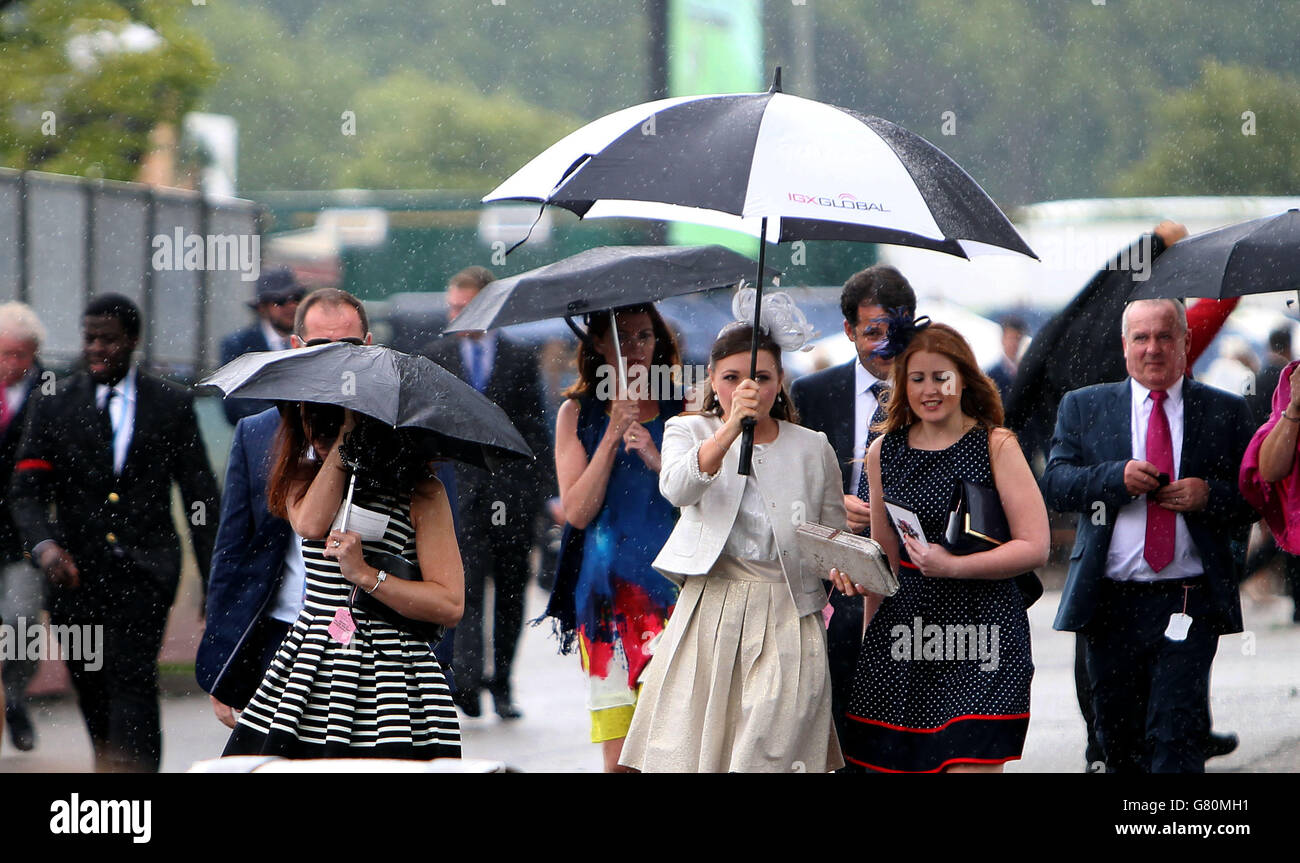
(714, 46)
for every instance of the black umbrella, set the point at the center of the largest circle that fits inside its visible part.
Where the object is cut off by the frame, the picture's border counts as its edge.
(1255, 257)
(605, 278)
(399, 389)
(773, 165)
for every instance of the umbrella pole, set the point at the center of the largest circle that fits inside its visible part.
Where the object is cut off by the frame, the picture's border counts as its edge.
(347, 502)
(618, 356)
(747, 425)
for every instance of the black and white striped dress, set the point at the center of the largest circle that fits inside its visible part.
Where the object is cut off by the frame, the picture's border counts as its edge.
(381, 696)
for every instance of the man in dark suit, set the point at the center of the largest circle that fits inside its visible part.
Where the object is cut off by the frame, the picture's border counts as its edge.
(276, 303)
(843, 402)
(104, 449)
(22, 587)
(1003, 374)
(256, 584)
(1150, 464)
(497, 512)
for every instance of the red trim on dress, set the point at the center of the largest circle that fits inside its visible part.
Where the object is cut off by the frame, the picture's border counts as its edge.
(33, 464)
(940, 727)
(940, 767)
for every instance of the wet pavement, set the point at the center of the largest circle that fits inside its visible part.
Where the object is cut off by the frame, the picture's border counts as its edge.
(1255, 690)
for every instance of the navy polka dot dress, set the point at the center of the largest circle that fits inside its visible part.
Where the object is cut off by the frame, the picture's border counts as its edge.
(944, 671)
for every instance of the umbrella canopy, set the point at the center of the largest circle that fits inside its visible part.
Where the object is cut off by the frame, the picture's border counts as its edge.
(602, 278)
(814, 171)
(1255, 257)
(399, 389)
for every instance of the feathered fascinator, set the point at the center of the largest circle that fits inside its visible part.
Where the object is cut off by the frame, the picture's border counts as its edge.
(780, 318)
(902, 329)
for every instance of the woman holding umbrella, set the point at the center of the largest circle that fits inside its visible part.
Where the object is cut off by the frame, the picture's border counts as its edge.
(346, 682)
(607, 597)
(740, 681)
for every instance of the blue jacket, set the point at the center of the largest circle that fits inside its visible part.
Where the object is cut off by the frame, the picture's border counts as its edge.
(247, 565)
(1085, 474)
(234, 345)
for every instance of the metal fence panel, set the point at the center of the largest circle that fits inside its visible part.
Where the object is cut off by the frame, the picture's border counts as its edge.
(56, 259)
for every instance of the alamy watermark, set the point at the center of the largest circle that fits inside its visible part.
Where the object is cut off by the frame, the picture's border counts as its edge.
(657, 382)
(180, 250)
(922, 641)
(1080, 250)
(27, 640)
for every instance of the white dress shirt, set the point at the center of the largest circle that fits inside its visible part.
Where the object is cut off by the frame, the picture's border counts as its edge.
(121, 411)
(288, 599)
(1124, 560)
(864, 408)
(274, 340)
(752, 537)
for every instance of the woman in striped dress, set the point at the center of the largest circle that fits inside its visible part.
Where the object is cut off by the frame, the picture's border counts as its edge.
(345, 683)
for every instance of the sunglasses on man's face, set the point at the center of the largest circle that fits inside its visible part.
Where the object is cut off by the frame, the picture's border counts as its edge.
(289, 300)
(352, 340)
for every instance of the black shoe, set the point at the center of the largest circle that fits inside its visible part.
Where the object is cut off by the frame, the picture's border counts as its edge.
(1217, 745)
(467, 701)
(505, 706)
(21, 731)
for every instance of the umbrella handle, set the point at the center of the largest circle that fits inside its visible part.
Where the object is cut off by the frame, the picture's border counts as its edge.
(347, 502)
(746, 445)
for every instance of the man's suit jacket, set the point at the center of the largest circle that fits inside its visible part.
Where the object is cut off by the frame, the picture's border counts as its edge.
(65, 458)
(797, 477)
(515, 386)
(826, 403)
(11, 544)
(237, 344)
(247, 566)
(1085, 474)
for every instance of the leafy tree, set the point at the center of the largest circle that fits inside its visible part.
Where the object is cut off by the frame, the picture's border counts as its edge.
(1236, 131)
(85, 81)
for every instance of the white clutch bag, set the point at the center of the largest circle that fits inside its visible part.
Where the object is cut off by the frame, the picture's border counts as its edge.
(862, 560)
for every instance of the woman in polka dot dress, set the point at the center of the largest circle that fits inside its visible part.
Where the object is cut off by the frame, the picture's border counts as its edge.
(942, 682)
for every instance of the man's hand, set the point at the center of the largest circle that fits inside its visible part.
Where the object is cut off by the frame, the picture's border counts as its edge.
(1170, 232)
(224, 712)
(1141, 477)
(858, 513)
(59, 567)
(1189, 494)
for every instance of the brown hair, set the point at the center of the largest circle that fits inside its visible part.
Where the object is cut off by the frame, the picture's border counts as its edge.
(329, 297)
(979, 397)
(738, 338)
(475, 277)
(288, 464)
(589, 360)
(383, 457)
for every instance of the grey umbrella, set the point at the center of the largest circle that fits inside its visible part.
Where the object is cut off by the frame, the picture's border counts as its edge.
(399, 389)
(603, 278)
(1255, 257)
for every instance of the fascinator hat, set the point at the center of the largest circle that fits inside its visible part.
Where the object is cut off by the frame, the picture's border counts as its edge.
(780, 319)
(902, 328)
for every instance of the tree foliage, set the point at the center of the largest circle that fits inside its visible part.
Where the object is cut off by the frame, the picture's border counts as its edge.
(85, 82)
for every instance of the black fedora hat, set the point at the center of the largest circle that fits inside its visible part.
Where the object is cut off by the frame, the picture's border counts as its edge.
(275, 285)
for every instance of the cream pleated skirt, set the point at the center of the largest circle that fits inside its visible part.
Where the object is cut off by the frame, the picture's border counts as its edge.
(739, 682)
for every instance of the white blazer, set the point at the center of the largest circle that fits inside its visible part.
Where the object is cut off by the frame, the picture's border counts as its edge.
(798, 478)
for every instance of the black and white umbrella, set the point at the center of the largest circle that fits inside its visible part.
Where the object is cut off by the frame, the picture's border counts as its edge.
(813, 171)
(772, 165)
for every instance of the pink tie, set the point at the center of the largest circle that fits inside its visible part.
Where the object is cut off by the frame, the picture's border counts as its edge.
(5, 416)
(1159, 551)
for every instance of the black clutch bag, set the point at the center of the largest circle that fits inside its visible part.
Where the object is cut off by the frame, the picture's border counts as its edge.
(396, 567)
(977, 523)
